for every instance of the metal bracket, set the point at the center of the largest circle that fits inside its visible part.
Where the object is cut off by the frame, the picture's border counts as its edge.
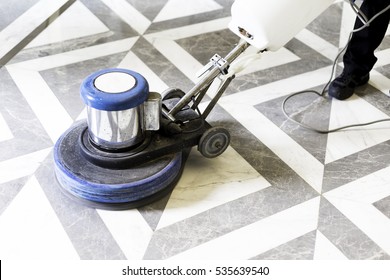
(221, 63)
(215, 67)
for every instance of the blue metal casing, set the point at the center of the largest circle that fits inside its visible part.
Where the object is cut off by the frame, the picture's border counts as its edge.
(104, 101)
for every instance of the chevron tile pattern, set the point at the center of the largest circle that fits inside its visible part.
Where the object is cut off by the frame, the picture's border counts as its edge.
(279, 192)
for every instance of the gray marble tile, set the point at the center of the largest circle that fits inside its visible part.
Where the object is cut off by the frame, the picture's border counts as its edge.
(158, 63)
(259, 156)
(28, 133)
(309, 109)
(327, 25)
(92, 238)
(287, 190)
(349, 239)
(204, 46)
(10, 12)
(383, 205)
(153, 212)
(193, 19)
(221, 220)
(310, 60)
(109, 18)
(149, 8)
(355, 166)
(118, 29)
(65, 81)
(28, 28)
(374, 96)
(86, 230)
(301, 248)
(9, 190)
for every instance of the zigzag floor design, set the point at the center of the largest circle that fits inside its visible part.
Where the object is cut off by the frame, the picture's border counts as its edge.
(278, 192)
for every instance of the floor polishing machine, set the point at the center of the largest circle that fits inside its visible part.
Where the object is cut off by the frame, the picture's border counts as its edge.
(133, 146)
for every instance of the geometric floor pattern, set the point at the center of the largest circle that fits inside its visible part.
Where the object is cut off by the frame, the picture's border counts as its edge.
(279, 192)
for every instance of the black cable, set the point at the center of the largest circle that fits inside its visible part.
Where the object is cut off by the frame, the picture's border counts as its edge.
(366, 23)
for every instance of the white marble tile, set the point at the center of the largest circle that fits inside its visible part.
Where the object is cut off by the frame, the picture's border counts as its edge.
(66, 58)
(317, 43)
(5, 131)
(185, 62)
(266, 60)
(223, 179)
(83, 115)
(355, 200)
(22, 166)
(181, 8)
(325, 250)
(260, 236)
(129, 14)
(132, 62)
(356, 110)
(347, 23)
(279, 88)
(50, 112)
(293, 154)
(24, 25)
(53, 116)
(130, 230)
(165, 42)
(30, 228)
(383, 57)
(76, 22)
(190, 30)
(380, 82)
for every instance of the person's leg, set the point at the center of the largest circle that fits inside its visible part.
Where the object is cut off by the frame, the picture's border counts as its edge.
(359, 57)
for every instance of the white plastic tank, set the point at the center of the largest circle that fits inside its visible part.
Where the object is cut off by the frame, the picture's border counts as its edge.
(270, 24)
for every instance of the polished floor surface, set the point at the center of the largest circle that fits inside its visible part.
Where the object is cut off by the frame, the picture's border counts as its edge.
(278, 192)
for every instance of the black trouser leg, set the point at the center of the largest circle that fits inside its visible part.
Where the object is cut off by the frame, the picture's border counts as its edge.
(359, 57)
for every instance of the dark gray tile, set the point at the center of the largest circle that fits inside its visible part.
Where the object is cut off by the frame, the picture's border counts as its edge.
(301, 248)
(9, 190)
(192, 19)
(110, 18)
(118, 29)
(153, 212)
(355, 166)
(307, 108)
(327, 25)
(383, 205)
(203, 47)
(65, 81)
(86, 230)
(221, 220)
(23, 39)
(10, 12)
(149, 8)
(287, 190)
(28, 133)
(349, 239)
(158, 63)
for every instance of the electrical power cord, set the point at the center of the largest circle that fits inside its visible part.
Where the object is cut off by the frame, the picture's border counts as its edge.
(366, 22)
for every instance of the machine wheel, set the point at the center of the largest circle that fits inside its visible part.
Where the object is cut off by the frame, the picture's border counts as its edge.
(214, 142)
(172, 93)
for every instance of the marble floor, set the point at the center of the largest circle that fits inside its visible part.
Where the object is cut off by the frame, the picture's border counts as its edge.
(279, 192)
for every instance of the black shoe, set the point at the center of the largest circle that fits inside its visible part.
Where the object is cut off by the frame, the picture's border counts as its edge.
(344, 85)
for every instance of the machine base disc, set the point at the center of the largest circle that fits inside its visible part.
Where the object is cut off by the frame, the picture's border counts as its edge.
(113, 189)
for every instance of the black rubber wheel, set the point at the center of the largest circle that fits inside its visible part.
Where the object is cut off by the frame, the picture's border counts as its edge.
(172, 93)
(214, 142)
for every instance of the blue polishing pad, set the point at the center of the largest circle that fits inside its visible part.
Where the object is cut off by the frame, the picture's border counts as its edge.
(107, 188)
